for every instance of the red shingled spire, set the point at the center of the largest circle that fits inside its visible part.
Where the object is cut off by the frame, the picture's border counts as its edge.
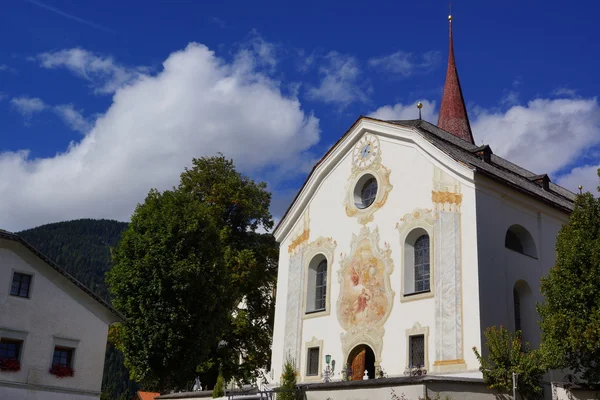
(453, 116)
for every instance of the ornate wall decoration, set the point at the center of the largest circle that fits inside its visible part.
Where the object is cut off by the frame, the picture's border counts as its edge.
(446, 195)
(325, 246)
(295, 285)
(301, 233)
(314, 342)
(366, 163)
(366, 297)
(448, 262)
(418, 218)
(417, 329)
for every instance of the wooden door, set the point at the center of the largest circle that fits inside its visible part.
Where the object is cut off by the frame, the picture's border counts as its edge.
(358, 365)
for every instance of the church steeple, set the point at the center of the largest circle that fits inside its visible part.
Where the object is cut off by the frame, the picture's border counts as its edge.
(453, 116)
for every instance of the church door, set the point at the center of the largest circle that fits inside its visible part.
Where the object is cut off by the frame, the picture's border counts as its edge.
(358, 365)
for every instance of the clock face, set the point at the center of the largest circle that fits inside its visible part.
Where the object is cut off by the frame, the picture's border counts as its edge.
(366, 151)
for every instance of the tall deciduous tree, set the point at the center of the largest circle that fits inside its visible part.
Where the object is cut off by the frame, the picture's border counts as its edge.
(189, 257)
(570, 313)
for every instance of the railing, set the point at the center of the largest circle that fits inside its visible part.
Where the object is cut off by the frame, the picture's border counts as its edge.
(298, 394)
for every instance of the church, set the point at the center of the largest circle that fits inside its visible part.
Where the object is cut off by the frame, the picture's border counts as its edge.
(405, 243)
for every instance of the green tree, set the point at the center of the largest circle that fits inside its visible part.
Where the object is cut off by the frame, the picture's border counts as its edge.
(187, 259)
(219, 390)
(288, 380)
(508, 354)
(570, 313)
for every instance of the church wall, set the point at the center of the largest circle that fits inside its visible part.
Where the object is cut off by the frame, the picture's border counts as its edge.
(500, 268)
(413, 175)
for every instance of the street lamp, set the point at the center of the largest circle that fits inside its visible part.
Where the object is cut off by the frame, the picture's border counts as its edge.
(329, 369)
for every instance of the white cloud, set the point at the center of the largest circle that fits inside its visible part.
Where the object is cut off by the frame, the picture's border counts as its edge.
(564, 92)
(338, 83)
(104, 74)
(544, 135)
(586, 176)
(407, 64)
(28, 106)
(406, 111)
(73, 118)
(6, 68)
(197, 105)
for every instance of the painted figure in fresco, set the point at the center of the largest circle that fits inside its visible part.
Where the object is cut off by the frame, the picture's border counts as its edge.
(361, 303)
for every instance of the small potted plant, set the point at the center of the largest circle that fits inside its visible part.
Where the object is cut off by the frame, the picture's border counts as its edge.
(9, 365)
(62, 371)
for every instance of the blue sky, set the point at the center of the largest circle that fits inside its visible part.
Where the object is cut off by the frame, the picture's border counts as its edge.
(102, 100)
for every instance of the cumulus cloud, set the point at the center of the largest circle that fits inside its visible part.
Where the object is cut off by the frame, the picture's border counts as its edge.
(407, 64)
(406, 111)
(586, 176)
(27, 106)
(104, 73)
(543, 135)
(339, 81)
(73, 117)
(197, 105)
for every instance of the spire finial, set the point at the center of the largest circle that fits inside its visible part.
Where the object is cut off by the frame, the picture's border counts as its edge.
(580, 188)
(419, 106)
(453, 116)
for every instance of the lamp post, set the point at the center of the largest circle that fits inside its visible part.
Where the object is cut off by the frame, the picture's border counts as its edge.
(514, 381)
(329, 369)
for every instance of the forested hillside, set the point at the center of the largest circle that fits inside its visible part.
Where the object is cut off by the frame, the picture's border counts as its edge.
(83, 249)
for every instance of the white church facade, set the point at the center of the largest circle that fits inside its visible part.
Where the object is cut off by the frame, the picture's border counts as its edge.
(405, 243)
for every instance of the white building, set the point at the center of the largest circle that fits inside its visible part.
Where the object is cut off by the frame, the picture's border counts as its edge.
(406, 241)
(50, 325)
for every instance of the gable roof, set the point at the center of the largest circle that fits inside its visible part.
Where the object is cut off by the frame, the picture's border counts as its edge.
(16, 238)
(496, 168)
(146, 395)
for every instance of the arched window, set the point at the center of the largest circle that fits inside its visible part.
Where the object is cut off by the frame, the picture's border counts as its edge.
(517, 307)
(525, 315)
(316, 293)
(417, 262)
(422, 264)
(520, 240)
(321, 286)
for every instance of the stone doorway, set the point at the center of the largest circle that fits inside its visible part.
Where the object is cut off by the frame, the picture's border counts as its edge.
(362, 358)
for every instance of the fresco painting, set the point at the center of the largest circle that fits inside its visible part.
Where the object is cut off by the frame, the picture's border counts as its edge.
(364, 300)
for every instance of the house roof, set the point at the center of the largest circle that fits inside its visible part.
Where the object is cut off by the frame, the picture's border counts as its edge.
(16, 238)
(146, 395)
(496, 168)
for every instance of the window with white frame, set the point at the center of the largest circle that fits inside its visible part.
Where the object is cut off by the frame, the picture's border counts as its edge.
(316, 293)
(417, 262)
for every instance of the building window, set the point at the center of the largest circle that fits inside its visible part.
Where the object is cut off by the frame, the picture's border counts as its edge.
(316, 295)
(520, 240)
(63, 356)
(368, 193)
(312, 361)
(417, 269)
(517, 304)
(417, 351)
(10, 349)
(321, 286)
(422, 264)
(20, 285)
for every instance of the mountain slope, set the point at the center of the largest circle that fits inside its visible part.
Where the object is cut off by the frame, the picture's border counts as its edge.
(83, 248)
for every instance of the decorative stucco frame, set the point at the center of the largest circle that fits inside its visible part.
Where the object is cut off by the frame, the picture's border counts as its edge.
(314, 342)
(359, 174)
(424, 219)
(371, 334)
(416, 330)
(326, 247)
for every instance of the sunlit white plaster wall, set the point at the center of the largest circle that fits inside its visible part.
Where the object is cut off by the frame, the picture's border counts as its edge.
(412, 179)
(56, 310)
